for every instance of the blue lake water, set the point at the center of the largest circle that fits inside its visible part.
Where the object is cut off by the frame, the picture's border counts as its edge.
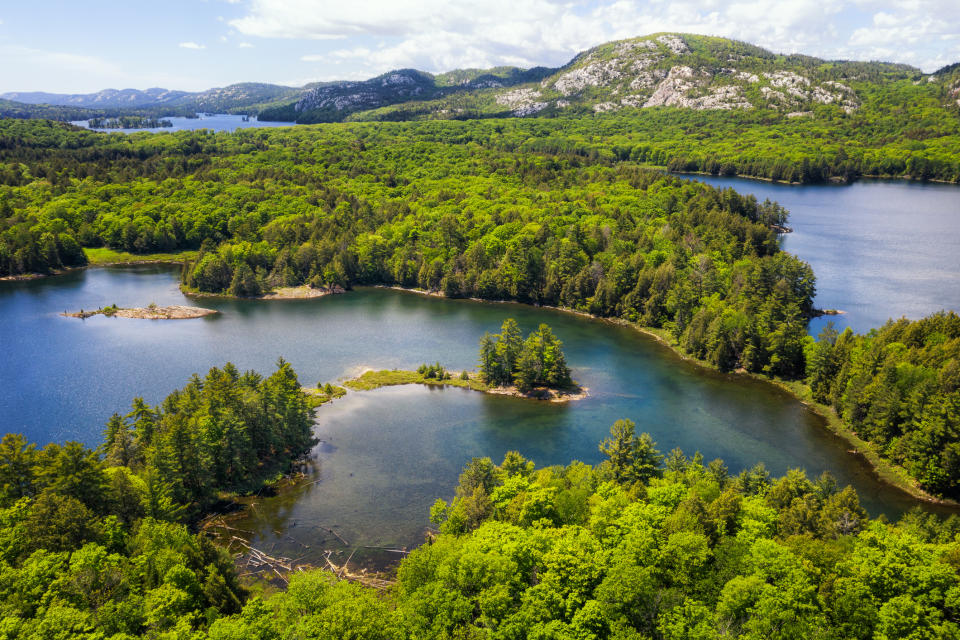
(879, 249)
(212, 121)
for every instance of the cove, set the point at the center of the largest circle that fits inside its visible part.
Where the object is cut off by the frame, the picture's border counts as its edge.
(880, 248)
(386, 455)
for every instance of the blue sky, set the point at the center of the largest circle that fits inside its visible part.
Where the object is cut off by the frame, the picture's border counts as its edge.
(196, 44)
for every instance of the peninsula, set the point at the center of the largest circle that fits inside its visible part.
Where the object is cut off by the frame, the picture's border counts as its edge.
(533, 368)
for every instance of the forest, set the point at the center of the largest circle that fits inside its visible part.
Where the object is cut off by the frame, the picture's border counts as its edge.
(507, 359)
(98, 543)
(520, 209)
(128, 122)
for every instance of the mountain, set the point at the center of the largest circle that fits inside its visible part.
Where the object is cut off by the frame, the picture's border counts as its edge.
(334, 101)
(678, 70)
(659, 70)
(108, 98)
(244, 96)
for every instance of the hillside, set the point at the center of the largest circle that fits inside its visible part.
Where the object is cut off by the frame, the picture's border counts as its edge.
(244, 96)
(660, 70)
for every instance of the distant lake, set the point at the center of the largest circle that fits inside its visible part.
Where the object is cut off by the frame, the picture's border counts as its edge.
(213, 121)
(880, 248)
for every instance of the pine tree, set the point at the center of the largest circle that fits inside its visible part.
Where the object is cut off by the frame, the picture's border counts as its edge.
(509, 346)
(488, 359)
(632, 459)
(527, 374)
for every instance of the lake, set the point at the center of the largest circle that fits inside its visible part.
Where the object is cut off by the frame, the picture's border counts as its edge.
(386, 455)
(212, 121)
(879, 249)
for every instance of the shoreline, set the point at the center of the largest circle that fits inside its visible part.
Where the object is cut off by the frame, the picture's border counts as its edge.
(171, 312)
(22, 277)
(888, 472)
(300, 292)
(832, 180)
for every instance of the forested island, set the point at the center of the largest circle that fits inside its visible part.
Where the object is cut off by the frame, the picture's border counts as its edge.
(129, 122)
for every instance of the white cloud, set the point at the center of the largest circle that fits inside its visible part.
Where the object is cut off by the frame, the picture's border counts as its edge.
(245, 45)
(437, 35)
(191, 45)
(29, 69)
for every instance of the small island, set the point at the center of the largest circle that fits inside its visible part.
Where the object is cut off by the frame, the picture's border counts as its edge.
(128, 122)
(150, 312)
(509, 365)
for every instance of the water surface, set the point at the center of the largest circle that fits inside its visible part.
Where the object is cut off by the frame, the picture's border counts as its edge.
(213, 121)
(386, 455)
(879, 249)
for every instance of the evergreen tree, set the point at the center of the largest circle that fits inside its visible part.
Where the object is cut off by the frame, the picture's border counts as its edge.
(632, 459)
(509, 346)
(489, 364)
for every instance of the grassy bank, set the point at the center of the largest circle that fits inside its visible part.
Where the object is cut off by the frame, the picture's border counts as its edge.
(322, 394)
(391, 377)
(102, 256)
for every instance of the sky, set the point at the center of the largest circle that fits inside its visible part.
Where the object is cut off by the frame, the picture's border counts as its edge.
(74, 47)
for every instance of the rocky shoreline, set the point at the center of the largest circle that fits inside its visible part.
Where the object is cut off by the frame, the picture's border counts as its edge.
(152, 312)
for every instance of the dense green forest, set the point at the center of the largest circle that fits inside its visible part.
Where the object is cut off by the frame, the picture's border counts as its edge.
(128, 122)
(11, 109)
(508, 359)
(95, 543)
(516, 209)
(640, 546)
(898, 387)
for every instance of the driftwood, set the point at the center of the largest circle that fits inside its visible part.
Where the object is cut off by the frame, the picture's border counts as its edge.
(386, 549)
(336, 535)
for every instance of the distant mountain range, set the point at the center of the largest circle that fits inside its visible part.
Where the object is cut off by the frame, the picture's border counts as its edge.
(666, 69)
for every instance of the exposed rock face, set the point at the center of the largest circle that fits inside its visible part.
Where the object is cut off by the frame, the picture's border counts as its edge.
(390, 88)
(593, 75)
(675, 43)
(677, 88)
(648, 79)
(522, 102)
(600, 107)
(663, 71)
(792, 89)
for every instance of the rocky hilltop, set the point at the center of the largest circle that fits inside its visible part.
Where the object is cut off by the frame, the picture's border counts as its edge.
(659, 70)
